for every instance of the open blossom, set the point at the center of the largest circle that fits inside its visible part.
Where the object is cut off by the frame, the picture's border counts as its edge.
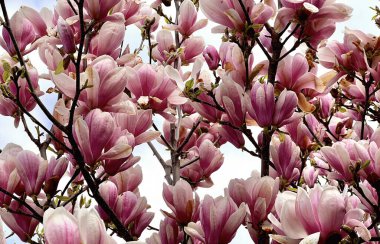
(210, 160)
(179, 198)
(128, 180)
(93, 135)
(219, 220)
(230, 14)
(60, 226)
(22, 91)
(266, 111)
(152, 89)
(187, 21)
(130, 9)
(23, 32)
(259, 193)
(234, 100)
(343, 156)
(109, 39)
(9, 178)
(317, 17)
(32, 170)
(23, 225)
(99, 9)
(297, 215)
(348, 56)
(66, 35)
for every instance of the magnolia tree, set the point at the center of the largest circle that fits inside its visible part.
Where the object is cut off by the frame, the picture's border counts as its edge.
(315, 101)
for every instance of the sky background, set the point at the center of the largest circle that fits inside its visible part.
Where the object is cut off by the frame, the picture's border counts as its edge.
(237, 164)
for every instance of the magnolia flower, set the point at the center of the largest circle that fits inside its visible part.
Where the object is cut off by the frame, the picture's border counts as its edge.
(109, 38)
(317, 17)
(93, 135)
(179, 198)
(232, 97)
(23, 32)
(23, 225)
(60, 226)
(66, 35)
(128, 180)
(343, 157)
(130, 9)
(259, 193)
(219, 220)
(9, 178)
(187, 20)
(266, 111)
(297, 215)
(32, 171)
(285, 157)
(211, 55)
(99, 9)
(230, 14)
(56, 169)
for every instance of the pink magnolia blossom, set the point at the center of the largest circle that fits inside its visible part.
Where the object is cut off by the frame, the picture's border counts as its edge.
(266, 111)
(317, 17)
(152, 89)
(300, 134)
(211, 55)
(343, 156)
(36, 19)
(66, 35)
(233, 62)
(109, 38)
(310, 175)
(109, 192)
(32, 171)
(93, 135)
(187, 21)
(230, 14)
(231, 135)
(99, 9)
(208, 112)
(128, 180)
(51, 56)
(219, 220)
(293, 74)
(300, 214)
(23, 225)
(192, 48)
(210, 160)
(347, 56)
(234, 100)
(285, 157)
(130, 10)
(10, 179)
(131, 210)
(169, 233)
(179, 198)
(56, 169)
(137, 124)
(23, 32)
(165, 49)
(259, 194)
(61, 226)
(369, 198)
(21, 91)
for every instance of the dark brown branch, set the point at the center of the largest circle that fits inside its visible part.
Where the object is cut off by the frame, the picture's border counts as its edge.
(35, 214)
